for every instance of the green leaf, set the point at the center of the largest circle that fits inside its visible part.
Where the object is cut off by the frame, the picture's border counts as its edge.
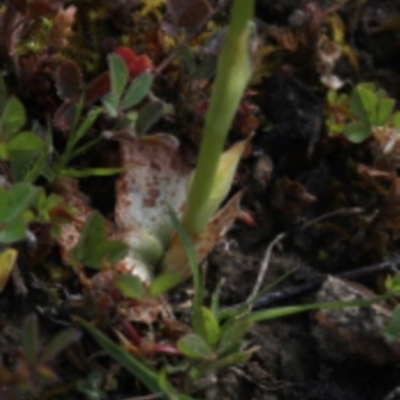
(130, 286)
(225, 362)
(13, 117)
(363, 103)
(19, 198)
(137, 368)
(164, 282)
(93, 248)
(197, 315)
(3, 151)
(30, 339)
(119, 76)
(83, 128)
(148, 116)
(280, 312)
(357, 132)
(110, 103)
(7, 263)
(195, 347)
(384, 111)
(212, 331)
(59, 343)
(232, 333)
(83, 173)
(13, 232)
(137, 91)
(26, 141)
(396, 120)
(392, 330)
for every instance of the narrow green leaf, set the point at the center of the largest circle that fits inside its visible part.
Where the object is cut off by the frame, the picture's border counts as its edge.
(60, 342)
(83, 128)
(148, 116)
(211, 325)
(118, 74)
(137, 91)
(130, 286)
(30, 338)
(232, 333)
(225, 362)
(197, 315)
(164, 282)
(137, 368)
(195, 347)
(13, 117)
(83, 173)
(280, 312)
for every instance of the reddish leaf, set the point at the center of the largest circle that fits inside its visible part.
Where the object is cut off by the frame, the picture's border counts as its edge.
(65, 115)
(97, 88)
(136, 64)
(69, 80)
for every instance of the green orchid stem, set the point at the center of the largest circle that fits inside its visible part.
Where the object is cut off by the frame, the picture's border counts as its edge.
(233, 74)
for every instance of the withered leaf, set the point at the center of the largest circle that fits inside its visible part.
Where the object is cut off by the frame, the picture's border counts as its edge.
(69, 80)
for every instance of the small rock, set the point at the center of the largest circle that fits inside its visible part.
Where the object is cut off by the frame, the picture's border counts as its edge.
(353, 331)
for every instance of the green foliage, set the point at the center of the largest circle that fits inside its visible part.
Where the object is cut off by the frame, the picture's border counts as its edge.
(94, 249)
(33, 363)
(355, 117)
(234, 71)
(23, 149)
(15, 203)
(124, 96)
(91, 386)
(130, 286)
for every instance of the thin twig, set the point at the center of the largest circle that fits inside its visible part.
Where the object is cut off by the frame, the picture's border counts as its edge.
(264, 266)
(292, 291)
(341, 211)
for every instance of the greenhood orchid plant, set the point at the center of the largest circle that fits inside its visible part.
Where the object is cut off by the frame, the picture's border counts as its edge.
(156, 180)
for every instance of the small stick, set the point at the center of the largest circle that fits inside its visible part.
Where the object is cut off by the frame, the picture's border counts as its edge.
(264, 266)
(292, 291)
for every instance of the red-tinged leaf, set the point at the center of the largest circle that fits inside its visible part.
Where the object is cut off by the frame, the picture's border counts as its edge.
(136, 64)
(97, 88)
(65, 116)
(69, 80)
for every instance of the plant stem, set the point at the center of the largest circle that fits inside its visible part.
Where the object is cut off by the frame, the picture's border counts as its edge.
(233, 73)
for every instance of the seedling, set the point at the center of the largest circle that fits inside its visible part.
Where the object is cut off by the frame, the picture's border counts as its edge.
(356, 117)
